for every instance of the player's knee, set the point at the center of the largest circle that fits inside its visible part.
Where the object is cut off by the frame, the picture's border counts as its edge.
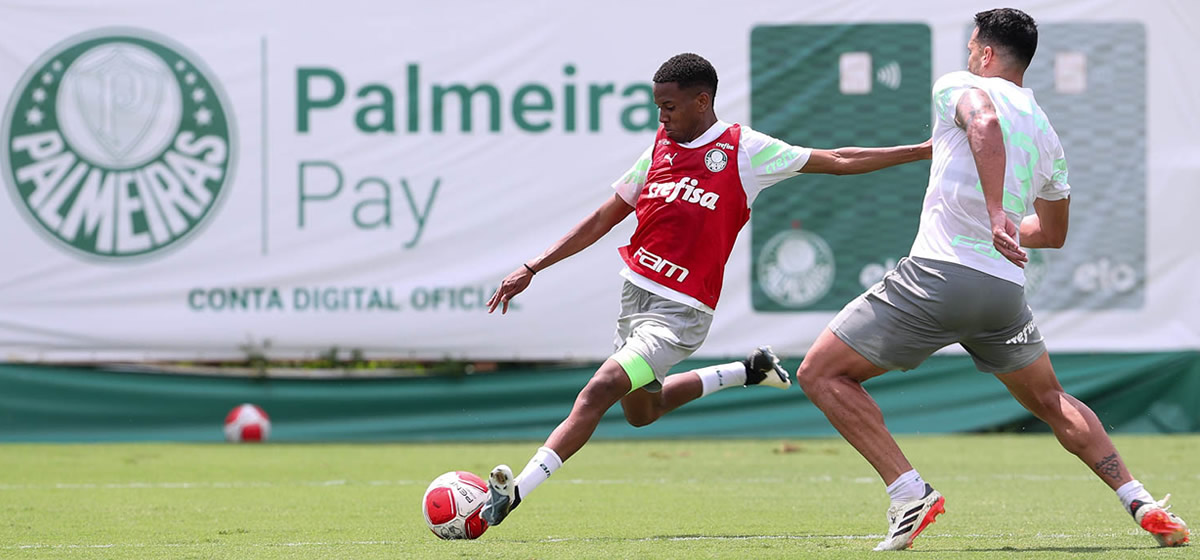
(804, 377)
(810, 377)
(601, 392)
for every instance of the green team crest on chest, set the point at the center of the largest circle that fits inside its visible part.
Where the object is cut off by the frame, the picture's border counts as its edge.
(118, 144)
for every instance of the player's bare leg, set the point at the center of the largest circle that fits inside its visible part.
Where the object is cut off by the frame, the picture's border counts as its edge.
(603, 390)
(606, 387)
(1079, 431)
(831, 376)
(610, 384)
(643, 407)
(761, 367)
(1075, 425)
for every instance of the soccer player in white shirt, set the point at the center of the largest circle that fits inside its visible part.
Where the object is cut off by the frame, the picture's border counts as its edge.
(998, 182)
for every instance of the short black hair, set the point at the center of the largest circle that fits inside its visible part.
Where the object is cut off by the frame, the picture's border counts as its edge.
(1012, 30)
(688, 70)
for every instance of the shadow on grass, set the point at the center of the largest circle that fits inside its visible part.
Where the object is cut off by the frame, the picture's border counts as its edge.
(1074, 549)
(700, 537)
(819, 537)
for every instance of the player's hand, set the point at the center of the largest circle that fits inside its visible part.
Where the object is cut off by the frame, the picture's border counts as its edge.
(513, 284)
(1004, 239)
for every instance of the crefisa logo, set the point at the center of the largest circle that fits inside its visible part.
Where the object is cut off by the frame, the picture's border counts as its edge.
(118, 143)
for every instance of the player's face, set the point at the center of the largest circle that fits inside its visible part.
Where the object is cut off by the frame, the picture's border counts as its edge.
(680, 111)
(974, 54)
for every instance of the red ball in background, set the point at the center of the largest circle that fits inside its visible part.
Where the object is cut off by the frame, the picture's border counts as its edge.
(247, 423)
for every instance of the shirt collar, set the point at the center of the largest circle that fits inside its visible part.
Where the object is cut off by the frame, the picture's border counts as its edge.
(715, 131)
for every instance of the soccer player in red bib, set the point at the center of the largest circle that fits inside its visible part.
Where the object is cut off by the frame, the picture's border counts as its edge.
(691, 191)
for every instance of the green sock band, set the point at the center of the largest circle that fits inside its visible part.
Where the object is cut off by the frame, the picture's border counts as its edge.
(640, 373)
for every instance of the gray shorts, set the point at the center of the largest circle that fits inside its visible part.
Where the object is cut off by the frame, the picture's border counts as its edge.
(661, 331)
(924, 305)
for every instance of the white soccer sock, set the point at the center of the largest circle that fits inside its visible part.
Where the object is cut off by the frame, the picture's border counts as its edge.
(1133, 490)
(540, 467)
(908, 487)
(715, 378)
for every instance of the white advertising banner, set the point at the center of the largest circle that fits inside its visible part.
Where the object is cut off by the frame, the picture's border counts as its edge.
(206, 180)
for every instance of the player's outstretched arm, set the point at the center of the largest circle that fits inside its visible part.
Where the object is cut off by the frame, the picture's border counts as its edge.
(582, 236)
(977, 116)
(852, 160)
(1047, 228)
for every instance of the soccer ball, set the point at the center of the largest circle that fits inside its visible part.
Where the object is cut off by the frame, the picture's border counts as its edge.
(247, 422)
(452, 505)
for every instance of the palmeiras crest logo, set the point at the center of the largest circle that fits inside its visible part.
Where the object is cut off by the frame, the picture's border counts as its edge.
(715, 160)
(118, 143)
(796, 268)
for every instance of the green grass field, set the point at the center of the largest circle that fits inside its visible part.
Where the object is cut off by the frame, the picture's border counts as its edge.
(1007, 497)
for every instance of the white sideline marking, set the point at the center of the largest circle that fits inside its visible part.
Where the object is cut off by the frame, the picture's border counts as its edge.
(1044, 536)
(182, 545)
(825, 478)
(1053, 536)
(190, 485)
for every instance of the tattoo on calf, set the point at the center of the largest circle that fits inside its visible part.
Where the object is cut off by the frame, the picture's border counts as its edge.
(1109, 466)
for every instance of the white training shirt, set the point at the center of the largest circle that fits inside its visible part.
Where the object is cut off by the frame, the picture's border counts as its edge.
(954, 221)
(762, 162)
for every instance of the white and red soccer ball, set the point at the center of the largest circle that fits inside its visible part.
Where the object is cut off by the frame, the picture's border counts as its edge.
(247, 422)
(452, 505)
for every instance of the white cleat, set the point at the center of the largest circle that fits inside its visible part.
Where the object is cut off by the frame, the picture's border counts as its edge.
(501, 495)
(1156, 518)
(762, 368)
(906, 521)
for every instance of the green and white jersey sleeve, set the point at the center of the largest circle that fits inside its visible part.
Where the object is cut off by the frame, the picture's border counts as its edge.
(954, 221)
(764, 160)
(629, 186)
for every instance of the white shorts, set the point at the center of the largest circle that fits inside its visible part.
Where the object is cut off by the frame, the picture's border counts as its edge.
(661, 331)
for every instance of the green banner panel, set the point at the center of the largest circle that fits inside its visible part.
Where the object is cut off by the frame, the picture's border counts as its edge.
(1090, 78)
(1130, 392)
(818, 241)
